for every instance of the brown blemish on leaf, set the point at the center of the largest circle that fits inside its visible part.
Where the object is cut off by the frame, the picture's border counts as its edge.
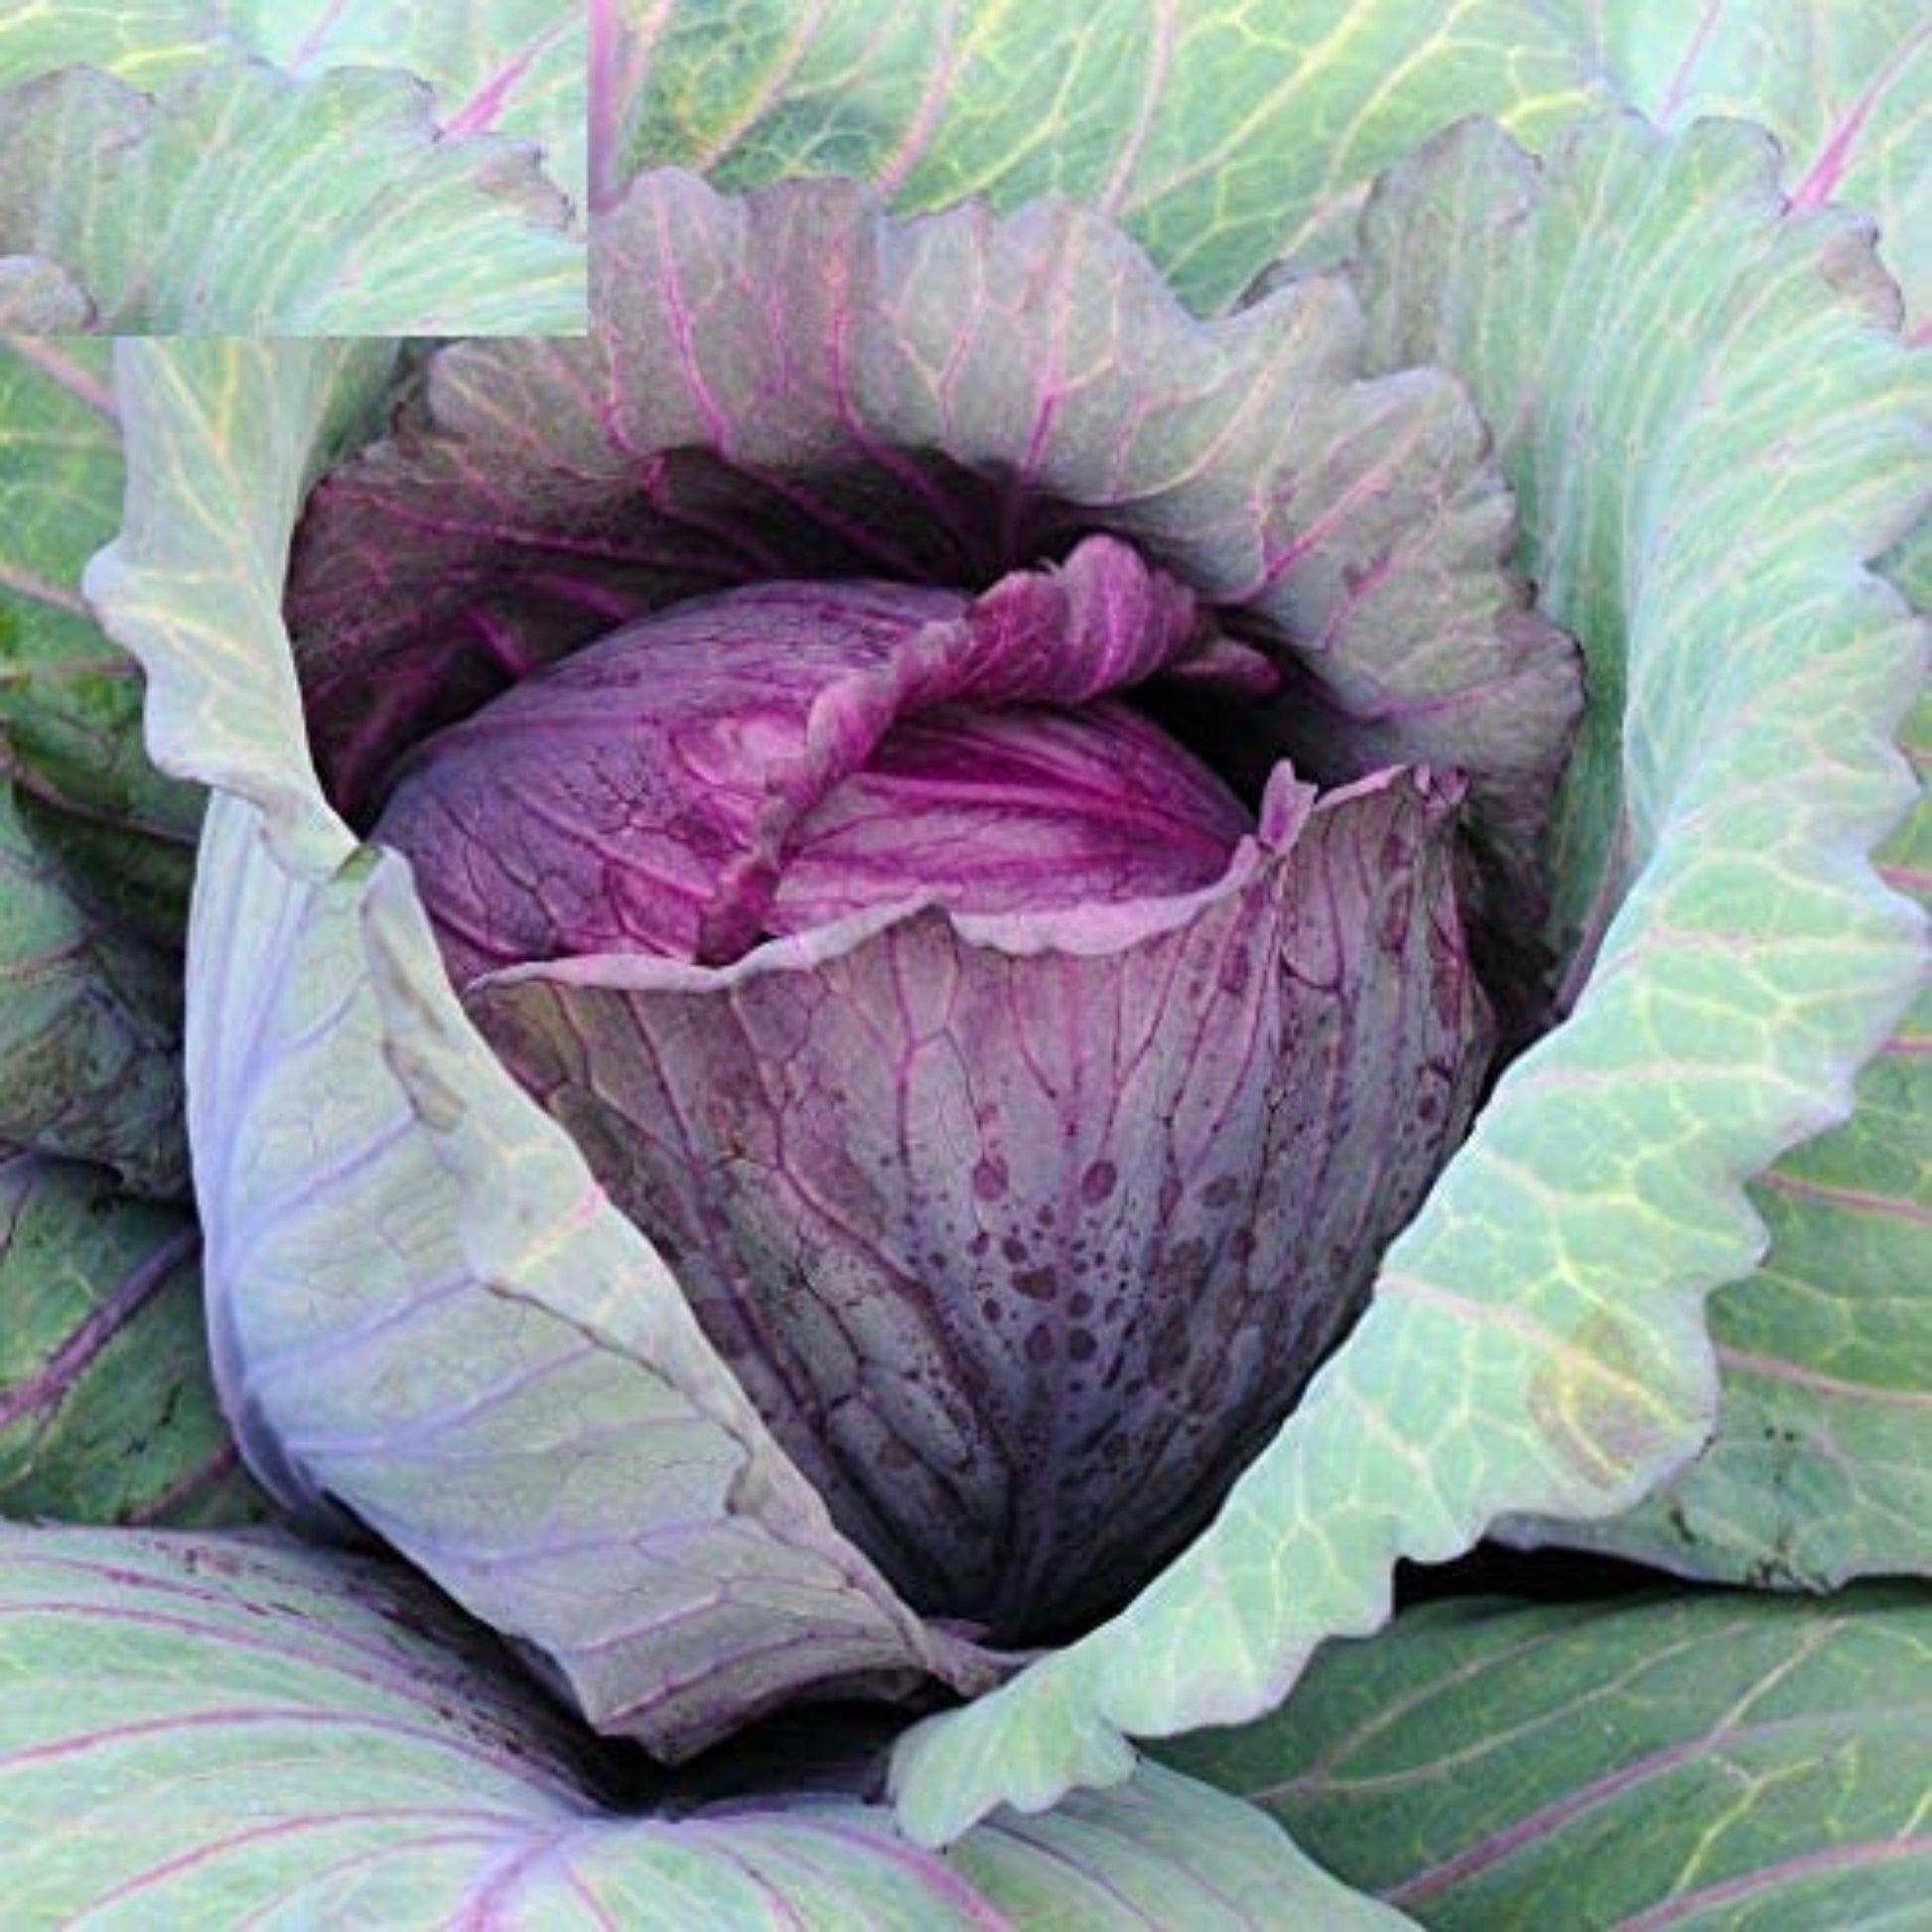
(1597, 1405)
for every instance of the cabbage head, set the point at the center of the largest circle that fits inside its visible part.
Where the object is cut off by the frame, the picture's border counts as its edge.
(930, 989)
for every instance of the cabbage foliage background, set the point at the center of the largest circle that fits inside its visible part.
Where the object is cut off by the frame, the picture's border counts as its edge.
(1712, 430)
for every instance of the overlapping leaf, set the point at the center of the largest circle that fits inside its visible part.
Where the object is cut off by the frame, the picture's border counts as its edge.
(95, 845)
(1820, 1467)
(1222, 136)
(1711, 1759)
(1710, 428)
(509, 67)
(201, 1730)
(1844, 89)
(240, 200)
(106, 1410)
(71, 701)
(515, 66)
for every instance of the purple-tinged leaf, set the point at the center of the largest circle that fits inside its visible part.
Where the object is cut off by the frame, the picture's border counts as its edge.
(1024, 1230)
(695, 781)
(792, 388)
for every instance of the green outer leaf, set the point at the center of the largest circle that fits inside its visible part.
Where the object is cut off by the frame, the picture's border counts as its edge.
(1154, 1852)
(1844, 89)
(1707, 1759)
(1222, 136)
(238, 430)
(1820, 1469)
(202, 1730)
(89, 1023)
(144, 43)
(95, 845)
(106, 1411)
(1709, 433)
(403, 233)
(513, 66)
(71, 701)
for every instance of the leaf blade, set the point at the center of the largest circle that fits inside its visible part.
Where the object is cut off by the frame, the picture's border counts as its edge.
(1197, 141)
(1702, 1758)
(144, 200)
(205, 1727)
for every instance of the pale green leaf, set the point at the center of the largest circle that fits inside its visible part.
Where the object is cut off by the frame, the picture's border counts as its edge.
(237, 200)
(1709, 429)
(1161, 1850)
(515, 66)
(1222, 136)
(208, 1730)
(1820, 1467)
(1713, 1760)
(238, 431)
(1842, 88)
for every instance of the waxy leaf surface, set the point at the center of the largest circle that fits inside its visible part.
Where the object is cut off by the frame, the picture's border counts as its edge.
(199, 1730)
(1221, 136)
(1710, 1759)
(107, 1412)
(239, 199)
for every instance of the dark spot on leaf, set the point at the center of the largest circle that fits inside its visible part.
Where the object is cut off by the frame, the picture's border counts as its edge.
(1098, 1183)
(989, 1179)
